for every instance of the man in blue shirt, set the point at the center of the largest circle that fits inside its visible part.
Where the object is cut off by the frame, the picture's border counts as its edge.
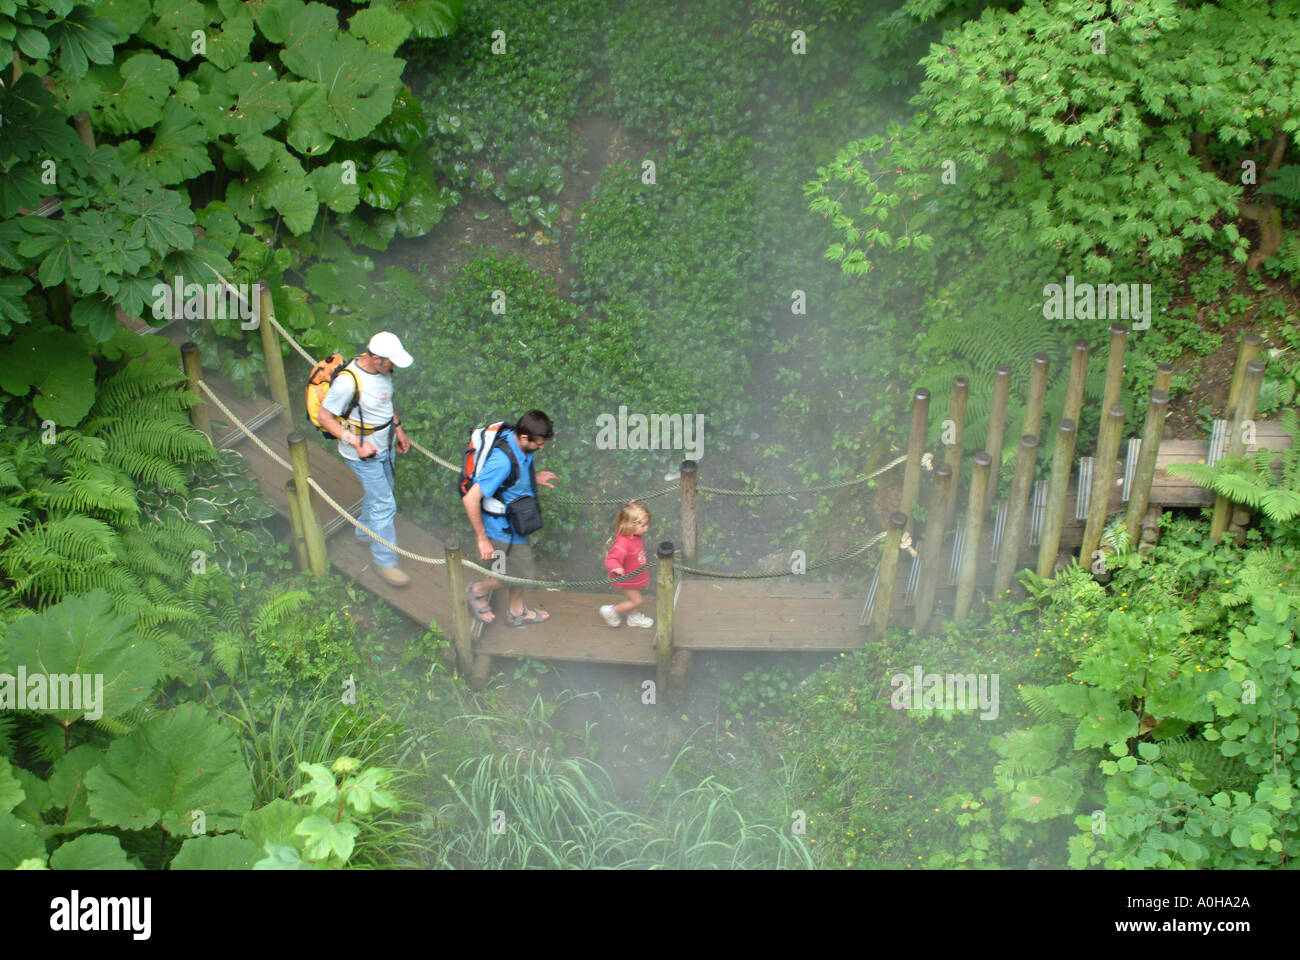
(483, 505)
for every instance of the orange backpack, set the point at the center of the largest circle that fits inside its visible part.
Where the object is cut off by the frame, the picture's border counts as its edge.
(319, 383)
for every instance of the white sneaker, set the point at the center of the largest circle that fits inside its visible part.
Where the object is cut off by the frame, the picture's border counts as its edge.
(611, 618)
(639, 619)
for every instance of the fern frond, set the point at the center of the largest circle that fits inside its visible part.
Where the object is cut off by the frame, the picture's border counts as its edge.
(270, 613)
(1040, 704)
(1222, 773)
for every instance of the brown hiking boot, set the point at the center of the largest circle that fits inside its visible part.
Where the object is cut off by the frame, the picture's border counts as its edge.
(394, 575)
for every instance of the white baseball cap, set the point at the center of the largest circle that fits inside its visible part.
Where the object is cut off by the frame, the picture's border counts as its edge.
(387, 345)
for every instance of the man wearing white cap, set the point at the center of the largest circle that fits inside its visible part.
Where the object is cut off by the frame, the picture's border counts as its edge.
(367, 438)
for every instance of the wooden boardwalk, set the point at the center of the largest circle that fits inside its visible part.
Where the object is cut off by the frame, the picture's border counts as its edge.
(790, 614)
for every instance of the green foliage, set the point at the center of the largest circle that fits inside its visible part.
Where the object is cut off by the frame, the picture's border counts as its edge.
(1007, 92)
(1253, 480)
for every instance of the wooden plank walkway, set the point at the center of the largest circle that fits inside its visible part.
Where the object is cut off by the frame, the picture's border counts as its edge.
(789, 614)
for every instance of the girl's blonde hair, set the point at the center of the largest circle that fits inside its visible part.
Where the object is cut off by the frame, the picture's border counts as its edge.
(633, 512)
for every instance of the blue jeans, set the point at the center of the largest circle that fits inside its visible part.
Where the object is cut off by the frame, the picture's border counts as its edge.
(379, 511)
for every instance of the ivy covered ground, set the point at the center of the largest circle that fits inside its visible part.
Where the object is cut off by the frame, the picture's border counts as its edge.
(784, 216)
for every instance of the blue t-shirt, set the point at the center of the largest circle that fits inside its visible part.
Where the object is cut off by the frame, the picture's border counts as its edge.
(495, 471)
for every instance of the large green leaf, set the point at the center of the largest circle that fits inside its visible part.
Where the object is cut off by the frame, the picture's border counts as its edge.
(430, 19)
(81, 38)
(83, 636)
(68, 787)
(99, 315)
(382, 28)
(128, 15)
(284, 187)
(90, 851)
(228, 851)
(355, 86)
(11, 791)
(178, 151)
(13, 303)
(275, 823)
(131, 98)
(19, 841)
(172, 24)
(163, 218)
(242, 101)
(333, 191)
(229, 46)
(36, 800)
(168, 767)
(382, 184)
(57, 364)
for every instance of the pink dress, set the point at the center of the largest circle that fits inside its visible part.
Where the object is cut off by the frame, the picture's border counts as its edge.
(628, 553)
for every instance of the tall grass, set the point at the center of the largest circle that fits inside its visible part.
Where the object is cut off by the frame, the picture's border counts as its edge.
(524, 807)
(320, 730)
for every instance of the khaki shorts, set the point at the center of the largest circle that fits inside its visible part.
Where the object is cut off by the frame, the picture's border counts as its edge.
(517, 560)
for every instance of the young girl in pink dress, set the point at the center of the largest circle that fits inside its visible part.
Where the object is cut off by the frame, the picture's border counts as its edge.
(628, 554)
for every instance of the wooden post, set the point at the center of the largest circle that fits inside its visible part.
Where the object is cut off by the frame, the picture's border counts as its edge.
(970, 554)
(1037, 391)
(932, 546)
(194, 373)
(1078, 377)
(1248, 351)
(295, 521)
(1013, 534)
(1244, 413)
(275, 378)
(1140, 494)
(312, 532)
(888, 575)
(947, 504)
(915, 448)
(997, 427)
(690, 510)
(1057, 489)
(666, 587)
(1114, 369)
(1164, 374)
(1103, 481)
(461, 638)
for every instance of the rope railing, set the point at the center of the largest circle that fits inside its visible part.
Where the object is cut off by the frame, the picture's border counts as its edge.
(487, 573)
(718, 491)
(838, 485)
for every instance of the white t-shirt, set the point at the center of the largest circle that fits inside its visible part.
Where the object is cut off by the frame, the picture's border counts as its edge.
(376, 407)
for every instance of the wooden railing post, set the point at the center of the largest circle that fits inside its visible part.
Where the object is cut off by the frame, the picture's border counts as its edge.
(1247, 399)
(888, 575)
(1103, 481)
(1164, 374)
(312, 533)
(997, 427)
(932, 546)
(690, 509)
(295, 521)
(1140, 494)
(1013, 534)
(915, 449)
(194, 373)
(1248, 351)
(1078, 378)
(1058, 487)
(1037, 392)
(667, 586)
(951, 455)
(1114, 370)
(461, 638)
(275, 378)
(970, 553)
